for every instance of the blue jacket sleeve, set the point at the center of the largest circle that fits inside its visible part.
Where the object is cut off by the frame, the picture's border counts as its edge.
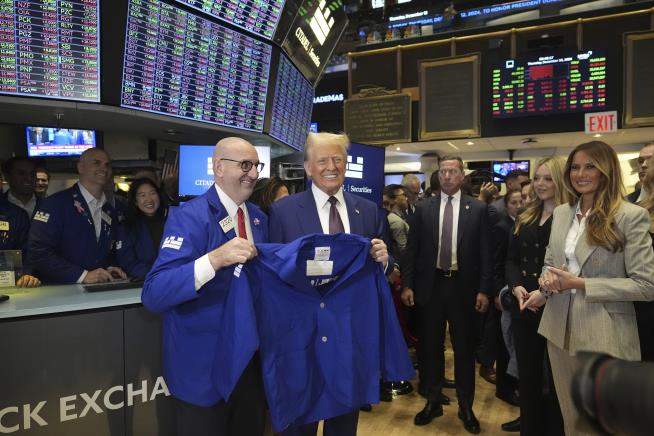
(44, 237)
(171, 281)
(395, 362)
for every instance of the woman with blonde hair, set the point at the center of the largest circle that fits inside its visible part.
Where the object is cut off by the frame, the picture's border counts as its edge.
(598, 262)
(539, 414)
(645, 310)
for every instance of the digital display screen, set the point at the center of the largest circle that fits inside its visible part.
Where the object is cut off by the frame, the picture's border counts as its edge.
(549, 84)
(364, 173)
(502, 168)
(312, 37)
(50, 49)
(179, 64)
(256, 16)
(196, 167)
(51, 141)
(291, 106)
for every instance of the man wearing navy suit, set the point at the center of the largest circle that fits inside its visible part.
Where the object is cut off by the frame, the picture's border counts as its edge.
(447, 272)
(203, 240)
(325, 208)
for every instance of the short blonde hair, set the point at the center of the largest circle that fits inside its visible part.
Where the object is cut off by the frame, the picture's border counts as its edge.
(315, 139)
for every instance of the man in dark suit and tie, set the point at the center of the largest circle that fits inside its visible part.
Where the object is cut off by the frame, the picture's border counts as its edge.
(447, 272)
(325, 208)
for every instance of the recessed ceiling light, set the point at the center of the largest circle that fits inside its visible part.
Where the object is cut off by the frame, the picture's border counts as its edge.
(597, 135)
(470, 143)
(397, 148)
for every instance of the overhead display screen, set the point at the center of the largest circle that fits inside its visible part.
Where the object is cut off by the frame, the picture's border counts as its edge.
(549, 84)
(177, 63)
(256, 16)
(291, 107)
(50, 49)
(312, 37)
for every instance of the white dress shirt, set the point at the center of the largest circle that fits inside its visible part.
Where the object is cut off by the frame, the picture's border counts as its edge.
(456, 204)
(95, 212)
(323, 205)
(27, 207)
(577, 229)
(202, 269)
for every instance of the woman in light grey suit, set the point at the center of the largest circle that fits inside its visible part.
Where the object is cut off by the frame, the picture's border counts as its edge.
(599, 260)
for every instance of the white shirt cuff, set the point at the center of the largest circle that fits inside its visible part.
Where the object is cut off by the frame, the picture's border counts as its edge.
(82, 277)
(202, 271)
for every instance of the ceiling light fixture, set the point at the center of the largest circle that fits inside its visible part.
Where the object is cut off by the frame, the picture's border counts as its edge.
(397, 148)
(452, 145)
(470, 143)
(597, 135)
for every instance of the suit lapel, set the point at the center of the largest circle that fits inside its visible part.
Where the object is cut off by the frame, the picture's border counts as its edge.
(221, 214)
(464, 213)
(307, 214)
(353, 214)
(255, 224)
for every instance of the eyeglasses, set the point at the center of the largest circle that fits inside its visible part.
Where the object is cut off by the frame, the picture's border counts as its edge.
(246, 165)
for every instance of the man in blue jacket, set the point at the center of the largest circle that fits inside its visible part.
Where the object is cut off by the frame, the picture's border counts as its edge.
(188, 284)
(325, 208)
(74, 236)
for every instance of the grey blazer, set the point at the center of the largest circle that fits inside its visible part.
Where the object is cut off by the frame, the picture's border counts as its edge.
(601, 318)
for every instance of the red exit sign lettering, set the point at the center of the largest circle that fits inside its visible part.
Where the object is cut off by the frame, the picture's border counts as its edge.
(601, 122)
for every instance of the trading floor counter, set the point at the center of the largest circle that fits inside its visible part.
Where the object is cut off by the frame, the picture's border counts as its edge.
(81, 363)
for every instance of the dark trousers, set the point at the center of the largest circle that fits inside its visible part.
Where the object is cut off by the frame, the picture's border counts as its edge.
(343, 425)
(540, 413)
(488, 345)
(457, 307)
(244, 414)
(645, 318)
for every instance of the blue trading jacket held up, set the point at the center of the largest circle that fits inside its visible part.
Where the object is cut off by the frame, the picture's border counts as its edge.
(326, 329)
(192, 319)
(62, 242)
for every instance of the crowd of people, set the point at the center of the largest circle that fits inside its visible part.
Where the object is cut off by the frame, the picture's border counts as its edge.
(561, 263)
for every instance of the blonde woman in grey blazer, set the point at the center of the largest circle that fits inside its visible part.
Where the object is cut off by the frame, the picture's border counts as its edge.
(598, 261)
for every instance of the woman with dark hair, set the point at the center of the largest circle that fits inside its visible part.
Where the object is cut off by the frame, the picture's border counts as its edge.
(267, 191)
(598, 262)
(144, 220)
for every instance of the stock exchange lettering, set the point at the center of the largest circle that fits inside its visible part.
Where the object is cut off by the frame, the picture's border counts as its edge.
(180, 64)
(50, 48)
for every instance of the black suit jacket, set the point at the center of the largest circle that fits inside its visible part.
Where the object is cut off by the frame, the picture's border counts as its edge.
(631, 198)
(474, 252)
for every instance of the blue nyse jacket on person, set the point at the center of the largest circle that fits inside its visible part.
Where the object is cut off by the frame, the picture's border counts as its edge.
(62, 242)
(320, 312)
(192, 318)
(140, 247)
(14, 226)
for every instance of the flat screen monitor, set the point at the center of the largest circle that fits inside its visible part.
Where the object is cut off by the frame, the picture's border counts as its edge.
(313, 35)
(54, 141)
(50, 49)
(196, 168)
(291, 105)
(549, 85)
(364, 174)
(180, 64)
(257, 16)
(502, 168)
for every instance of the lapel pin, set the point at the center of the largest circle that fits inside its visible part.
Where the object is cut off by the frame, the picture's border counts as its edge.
(256, 221)
(357, 211)
(467, 206)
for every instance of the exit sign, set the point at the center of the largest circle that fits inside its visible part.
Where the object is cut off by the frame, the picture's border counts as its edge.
(601, 122)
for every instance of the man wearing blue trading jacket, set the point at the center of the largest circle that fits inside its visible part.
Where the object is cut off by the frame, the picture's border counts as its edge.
(202, 242)
(325, 208)
(75, 233)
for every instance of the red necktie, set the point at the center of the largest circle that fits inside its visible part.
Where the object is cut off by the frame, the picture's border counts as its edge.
(241, 224)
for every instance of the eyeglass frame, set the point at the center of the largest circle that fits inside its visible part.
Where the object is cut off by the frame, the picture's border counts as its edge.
(247, 163)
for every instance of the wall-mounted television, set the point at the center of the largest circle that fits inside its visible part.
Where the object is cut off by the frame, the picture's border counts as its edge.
(196, 169)
(56, 141)
(504, 167)
(556, 83)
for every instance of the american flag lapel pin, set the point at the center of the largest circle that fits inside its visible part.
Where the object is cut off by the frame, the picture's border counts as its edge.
(256, 221)
(357, 211)
(467, 206)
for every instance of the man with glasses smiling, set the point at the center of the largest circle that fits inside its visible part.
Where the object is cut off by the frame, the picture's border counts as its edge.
(202, 243)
